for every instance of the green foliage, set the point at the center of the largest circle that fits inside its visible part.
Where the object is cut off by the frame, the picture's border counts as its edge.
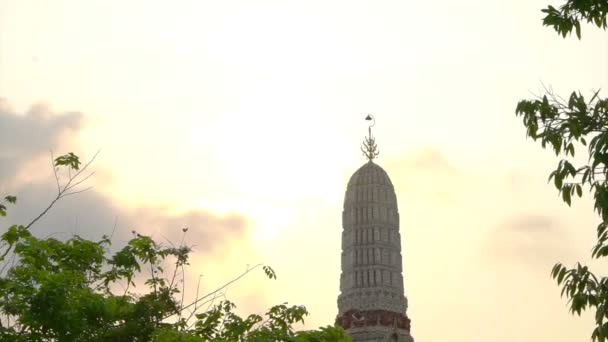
(71, 160)
(221, 324)
(63, 291)
(570, 15)
(75, 290)
(59, 291)
(565, 126)
(269, 272)
(8, 199)
(324, 334)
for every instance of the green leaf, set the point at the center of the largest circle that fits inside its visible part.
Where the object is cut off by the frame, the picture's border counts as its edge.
(269, 272)
(561, 274)
(559, 178)
(586, 175)
(551, 175)
(569, 168)
(71, 160)
(598, 21)
(577, 25)
(594, 97)
(570, 149)
(555, 270)
(566, 195)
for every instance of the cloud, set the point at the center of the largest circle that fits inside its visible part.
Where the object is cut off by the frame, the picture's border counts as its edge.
(91, 215)
(27, 136)
(530, 239)
(206, 231)
(428, 159)
(428, 173)
(501, 220)
(532, 224)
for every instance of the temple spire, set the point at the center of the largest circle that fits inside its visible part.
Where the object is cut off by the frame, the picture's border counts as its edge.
(369, 148)
(372, 306)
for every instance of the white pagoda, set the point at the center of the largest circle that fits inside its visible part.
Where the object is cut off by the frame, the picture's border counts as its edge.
(372, 305)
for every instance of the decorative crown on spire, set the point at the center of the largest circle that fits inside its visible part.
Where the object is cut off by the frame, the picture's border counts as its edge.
(369, 148)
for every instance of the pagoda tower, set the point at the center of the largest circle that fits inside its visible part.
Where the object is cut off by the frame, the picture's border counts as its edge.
(372, 305)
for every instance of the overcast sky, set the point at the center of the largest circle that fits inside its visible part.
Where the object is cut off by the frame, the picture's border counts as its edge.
(242, 120)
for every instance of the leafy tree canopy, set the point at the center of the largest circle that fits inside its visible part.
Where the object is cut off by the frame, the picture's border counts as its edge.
(565, 126)
(569, 15)
(76, 290)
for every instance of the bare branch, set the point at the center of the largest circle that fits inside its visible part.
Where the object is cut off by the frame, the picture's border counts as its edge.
(76, 192)
(44, 211)
(55, 172)
(62, 192)
(79, 182)
(114, 228)
(218, 289)
(198, 286)
(183, 289)
(71, 178)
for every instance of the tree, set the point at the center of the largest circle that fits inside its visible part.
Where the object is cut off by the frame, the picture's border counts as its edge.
(70, 290)
(565, 126)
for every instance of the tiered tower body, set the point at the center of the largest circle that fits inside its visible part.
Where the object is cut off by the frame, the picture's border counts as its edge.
(372, 305)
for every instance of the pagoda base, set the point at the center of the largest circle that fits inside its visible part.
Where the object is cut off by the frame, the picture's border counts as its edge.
(376, 326)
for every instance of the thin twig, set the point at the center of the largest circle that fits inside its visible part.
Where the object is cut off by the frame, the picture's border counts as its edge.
(61, 193)
(183, 289)
(222, 287)
(76, 192)
(71, 178)
(114, 228)
(55, 171)
(198, 286)
(80, 181)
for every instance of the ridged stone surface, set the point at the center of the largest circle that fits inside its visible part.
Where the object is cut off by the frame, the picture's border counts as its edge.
(372, 301)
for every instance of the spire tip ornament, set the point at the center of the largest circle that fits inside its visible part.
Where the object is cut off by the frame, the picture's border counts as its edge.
(369, 148)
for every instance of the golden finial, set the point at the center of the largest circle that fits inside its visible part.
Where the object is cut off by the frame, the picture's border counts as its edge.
(369, 148)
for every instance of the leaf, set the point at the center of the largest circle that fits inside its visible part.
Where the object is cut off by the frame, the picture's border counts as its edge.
(71, 160)
(561, 274)
(594, 97)
(555, 270)
(577, 25)
(569, 168)
(551, 175)
(566, 195)
(570, 149)
(558, 180)
(586, 175)
(11, 199)
(598, 21)
(269, 272)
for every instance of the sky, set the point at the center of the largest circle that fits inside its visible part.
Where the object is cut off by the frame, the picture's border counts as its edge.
(242, 120)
